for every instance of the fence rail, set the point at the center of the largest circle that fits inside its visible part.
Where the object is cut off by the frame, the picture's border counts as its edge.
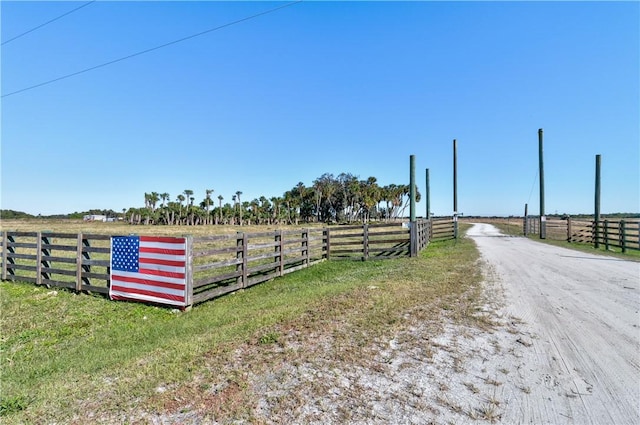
(378, 241)
(623, 234)
(223, 264)
(75, 261)
(441, 229)
(218, 264)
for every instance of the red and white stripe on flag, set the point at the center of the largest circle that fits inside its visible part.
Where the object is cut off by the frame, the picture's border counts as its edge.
(148, 268)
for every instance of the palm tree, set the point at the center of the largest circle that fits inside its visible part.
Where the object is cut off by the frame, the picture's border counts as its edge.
(255, 211)
(146, 199)
(188, 195)
(154, 197)
(275, 210)
(164, 197)
(287, 198)
(170, 212)
(325, 187)
(370, 197)
(180, 198)
(150, 200)
(298, 193)
(234, 198)
(220, 198)
(264, 210)
(238, 193)
(207, 201)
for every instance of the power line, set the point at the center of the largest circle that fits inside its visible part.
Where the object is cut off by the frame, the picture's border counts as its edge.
(47, 23)
(142, 52)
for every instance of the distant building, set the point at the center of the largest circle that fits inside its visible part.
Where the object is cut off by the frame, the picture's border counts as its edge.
(95, 217)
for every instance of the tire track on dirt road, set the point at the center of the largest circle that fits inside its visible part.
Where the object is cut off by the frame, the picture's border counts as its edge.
(581, 315)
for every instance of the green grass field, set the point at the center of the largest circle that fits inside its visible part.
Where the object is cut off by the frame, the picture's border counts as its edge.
(77, 358)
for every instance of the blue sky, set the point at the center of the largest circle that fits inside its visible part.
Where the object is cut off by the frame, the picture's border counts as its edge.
(321, 87)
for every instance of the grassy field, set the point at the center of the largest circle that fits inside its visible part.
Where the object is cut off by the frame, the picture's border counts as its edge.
(77, 358)
(120, 228)
(508, 226)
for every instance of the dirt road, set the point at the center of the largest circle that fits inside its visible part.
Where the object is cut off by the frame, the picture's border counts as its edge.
(550, 337)
(577, 319)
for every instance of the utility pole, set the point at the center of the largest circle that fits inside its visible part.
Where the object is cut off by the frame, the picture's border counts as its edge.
(413, 226)
(596, 215)
(526, 220)
(428, 196)
(412, 188)
(543, 219)
(455, 189)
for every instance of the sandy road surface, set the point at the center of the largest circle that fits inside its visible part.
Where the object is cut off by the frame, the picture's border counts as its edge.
(579, 329)
(560, 345)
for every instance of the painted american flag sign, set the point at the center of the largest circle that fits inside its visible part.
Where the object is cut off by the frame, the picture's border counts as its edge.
(148, 268)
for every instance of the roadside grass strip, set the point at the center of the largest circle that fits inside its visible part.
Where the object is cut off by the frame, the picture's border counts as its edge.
(78, 358)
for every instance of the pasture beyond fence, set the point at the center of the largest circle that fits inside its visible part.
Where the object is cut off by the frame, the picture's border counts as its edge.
(217, 264)
(623, 234)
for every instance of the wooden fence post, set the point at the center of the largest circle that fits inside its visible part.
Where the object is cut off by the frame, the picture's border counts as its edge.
(39, 258)
(622, 235)
(46, 252)
(245, 254)
(305, 246)
(79, 263)
(86, 256)
(239, 256)
(278, 249)
(327, 242)
(569, 232)
(430, 229)
(606, 235)
(413, 239)
(188, 240)
(5, 235)
(427, 235)
(8, 260)
(365, 241)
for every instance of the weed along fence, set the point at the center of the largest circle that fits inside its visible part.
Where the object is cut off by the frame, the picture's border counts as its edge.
(623, 234)
(198, 268)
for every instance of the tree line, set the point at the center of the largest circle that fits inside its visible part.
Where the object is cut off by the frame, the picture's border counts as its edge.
(330, 199)
(15, 215)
